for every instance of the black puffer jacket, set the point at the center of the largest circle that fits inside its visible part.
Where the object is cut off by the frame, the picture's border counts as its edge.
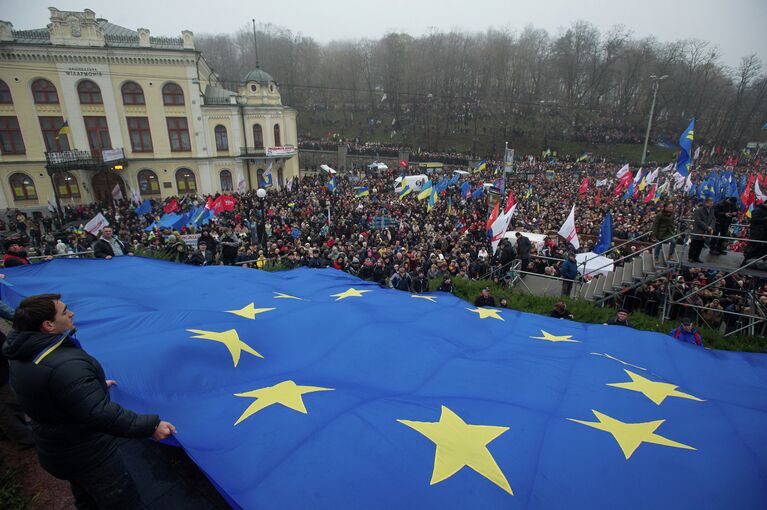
(65, 394)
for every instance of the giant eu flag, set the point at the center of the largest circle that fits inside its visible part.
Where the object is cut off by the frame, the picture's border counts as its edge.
(314, 389)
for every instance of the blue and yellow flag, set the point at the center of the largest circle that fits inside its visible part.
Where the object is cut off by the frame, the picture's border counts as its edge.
(405, 191)
(380, 409)
(425, 190)
(433, 199)
(361, 191)
(685, 146)
(331, 185)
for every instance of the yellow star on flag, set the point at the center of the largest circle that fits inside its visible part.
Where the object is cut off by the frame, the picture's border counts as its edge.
(230, 338)
(484, 313)
(433, 299)
(280, 295)
(631, 435)
(655, 391)
(352, 292)
(250, 311)
(460, 444)
(554, 338)
(287, 393)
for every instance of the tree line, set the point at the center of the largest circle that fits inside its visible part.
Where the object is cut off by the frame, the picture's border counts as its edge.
(581, 84)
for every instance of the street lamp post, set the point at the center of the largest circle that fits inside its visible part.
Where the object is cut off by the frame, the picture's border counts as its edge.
(656, 83)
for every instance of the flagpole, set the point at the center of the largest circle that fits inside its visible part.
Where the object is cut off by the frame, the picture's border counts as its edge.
(656, 84)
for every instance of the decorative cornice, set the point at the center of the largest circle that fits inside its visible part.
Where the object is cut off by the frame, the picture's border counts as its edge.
(84, 55)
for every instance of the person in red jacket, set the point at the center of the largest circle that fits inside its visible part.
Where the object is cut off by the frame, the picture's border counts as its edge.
(686, 332)
(15, 255)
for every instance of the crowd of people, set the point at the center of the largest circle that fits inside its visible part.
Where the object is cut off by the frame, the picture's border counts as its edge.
(376, 236)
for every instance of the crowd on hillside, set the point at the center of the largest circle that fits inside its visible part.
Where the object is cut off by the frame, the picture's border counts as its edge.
(374, 236)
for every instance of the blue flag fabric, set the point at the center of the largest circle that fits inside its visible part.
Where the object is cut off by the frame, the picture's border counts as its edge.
(605, 235)
(168, 220)
(685, 145)
(477, 193)
(380, 409)
(465, 189)
(145, 207)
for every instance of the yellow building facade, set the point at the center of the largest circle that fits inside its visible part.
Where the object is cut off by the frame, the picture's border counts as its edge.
(99, 110)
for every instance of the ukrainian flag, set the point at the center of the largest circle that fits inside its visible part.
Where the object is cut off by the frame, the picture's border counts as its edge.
(481, 166)
(433, 199)
(405, 192)
(63, 130)
(425, 191)
(361, 191)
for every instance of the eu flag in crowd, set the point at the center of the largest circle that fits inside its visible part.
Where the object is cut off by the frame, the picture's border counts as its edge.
(685, 145)
(605, 235)
(412, 400)
(145, 207)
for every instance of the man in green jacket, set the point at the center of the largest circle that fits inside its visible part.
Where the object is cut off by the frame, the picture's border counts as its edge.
(664, 227)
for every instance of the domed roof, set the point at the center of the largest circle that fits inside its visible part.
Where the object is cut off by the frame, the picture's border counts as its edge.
(258, 75)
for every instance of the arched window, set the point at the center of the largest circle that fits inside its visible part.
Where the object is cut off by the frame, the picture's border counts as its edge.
(185, 181)
(172, 95)
(89, 92)
(132, 93)
(258, 136)
(222, 141)
(277, 136)
(148, 183)
(280, 177)
(44, 92)
(23, 187)
(67, 186)
(5, 93)
(226, 180)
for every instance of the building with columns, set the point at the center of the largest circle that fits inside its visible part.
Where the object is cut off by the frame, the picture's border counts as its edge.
(90, 107)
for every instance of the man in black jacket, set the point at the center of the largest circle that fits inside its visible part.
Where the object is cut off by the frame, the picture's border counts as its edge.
(523, 251)
(201, 256)
(725, 212)
(109, 246)
(703, 223)
(65, 393)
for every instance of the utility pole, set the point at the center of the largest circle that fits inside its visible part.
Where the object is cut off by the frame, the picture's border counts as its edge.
(255, 43)
(656, 83)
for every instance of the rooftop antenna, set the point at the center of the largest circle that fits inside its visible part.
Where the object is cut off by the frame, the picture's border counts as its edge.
(255, 43)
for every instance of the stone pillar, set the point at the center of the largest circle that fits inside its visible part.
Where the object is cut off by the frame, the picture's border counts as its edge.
(342, 150)
(6, 31)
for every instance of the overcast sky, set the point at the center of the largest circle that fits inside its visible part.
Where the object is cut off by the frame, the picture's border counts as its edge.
(737, 27)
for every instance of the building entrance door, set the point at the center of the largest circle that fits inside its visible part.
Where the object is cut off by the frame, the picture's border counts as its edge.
(104, 182)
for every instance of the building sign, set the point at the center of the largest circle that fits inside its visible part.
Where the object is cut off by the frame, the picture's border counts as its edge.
(281, 151)
(82, 71)
(112, 154)
(190, 239)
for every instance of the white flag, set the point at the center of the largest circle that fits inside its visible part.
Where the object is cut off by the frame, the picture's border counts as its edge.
(117, 193)
(602, 182)
(758, 191)
(500, 226)
(623, 171)
(240, 184)
(50, 206)
(289, 185)
(268, 179)
(96, 224)
(697, 152)
(568, 230)
(654, 175)
(638, 176)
